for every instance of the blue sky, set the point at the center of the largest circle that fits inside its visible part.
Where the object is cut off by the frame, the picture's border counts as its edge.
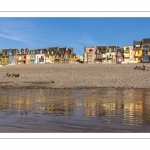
(38, 32)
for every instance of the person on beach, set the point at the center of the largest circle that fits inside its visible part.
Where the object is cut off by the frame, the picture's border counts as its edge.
(143, 67)
(146, 69)
(139, 67)
(136, 67)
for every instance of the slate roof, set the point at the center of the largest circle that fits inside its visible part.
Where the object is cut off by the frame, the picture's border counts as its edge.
(102, 48)
(137, 42)
(113, 47)
(146, 41)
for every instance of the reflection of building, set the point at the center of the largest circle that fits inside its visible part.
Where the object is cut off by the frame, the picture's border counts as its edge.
(4, 102)
(65, 107)
(146, 107)
(104, 104)
(133, 106)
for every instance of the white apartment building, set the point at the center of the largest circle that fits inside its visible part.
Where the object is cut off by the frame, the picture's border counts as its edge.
(128, 55)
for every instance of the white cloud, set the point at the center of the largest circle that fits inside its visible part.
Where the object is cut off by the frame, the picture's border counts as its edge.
(86, 39)
(16, 30)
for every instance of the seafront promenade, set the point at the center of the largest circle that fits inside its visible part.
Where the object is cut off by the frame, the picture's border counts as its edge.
(75, 76)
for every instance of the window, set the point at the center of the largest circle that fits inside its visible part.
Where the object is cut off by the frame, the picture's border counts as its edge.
(90, 50)
(98, 56)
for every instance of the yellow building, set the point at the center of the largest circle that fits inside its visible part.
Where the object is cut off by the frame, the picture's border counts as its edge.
(28, 59)
(137, 51)
(50, 54)
(4, 60)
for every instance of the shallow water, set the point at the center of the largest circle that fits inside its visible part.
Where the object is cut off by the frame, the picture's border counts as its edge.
(94, 110)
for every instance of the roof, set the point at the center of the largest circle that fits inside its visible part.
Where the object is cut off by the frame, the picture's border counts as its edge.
(137, 42)
(146, 41)
(102, 47)
(113, 46)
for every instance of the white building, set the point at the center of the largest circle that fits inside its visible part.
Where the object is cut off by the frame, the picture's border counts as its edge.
(40, 57)
(111, 54)
(128, 55)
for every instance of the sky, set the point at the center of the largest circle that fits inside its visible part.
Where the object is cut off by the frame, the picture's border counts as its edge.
(73, 32)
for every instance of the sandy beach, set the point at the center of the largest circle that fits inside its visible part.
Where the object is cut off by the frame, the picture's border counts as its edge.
(74, 76)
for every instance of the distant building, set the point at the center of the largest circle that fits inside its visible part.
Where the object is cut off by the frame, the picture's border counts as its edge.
(32, 56)
(40, 56)
(119, 56)
(50, 54)
(21, 57)
(89, 55)
(146, 50)
(101, 54)
(128, 53)
(137, 51)
(111, 54)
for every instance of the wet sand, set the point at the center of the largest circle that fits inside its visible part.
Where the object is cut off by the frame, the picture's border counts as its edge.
(74, 76)
(101, 110)
(74, 98)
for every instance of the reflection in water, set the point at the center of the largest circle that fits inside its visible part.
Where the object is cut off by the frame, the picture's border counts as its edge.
(94, 110)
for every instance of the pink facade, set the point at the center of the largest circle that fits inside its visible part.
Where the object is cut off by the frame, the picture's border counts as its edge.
(89, 55)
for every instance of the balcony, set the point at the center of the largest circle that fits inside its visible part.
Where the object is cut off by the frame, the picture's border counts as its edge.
(137, 55)
(126, 56)
(127, 51)
(137, 48)
(32, 59)
(109, 57)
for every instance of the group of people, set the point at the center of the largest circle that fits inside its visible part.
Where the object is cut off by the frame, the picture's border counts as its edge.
(12, 75)
(144, 68)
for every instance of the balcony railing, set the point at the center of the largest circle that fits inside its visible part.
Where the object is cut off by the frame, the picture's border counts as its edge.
(109, 57)
(126, 56)
(137, 55)
(127, 51)
(32, 58)
(137, 48)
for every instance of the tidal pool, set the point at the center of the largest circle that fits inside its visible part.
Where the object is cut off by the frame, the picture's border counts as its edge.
(101, 110)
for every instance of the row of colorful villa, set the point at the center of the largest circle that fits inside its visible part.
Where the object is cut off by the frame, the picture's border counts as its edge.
(47, 55)
(139, 52)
